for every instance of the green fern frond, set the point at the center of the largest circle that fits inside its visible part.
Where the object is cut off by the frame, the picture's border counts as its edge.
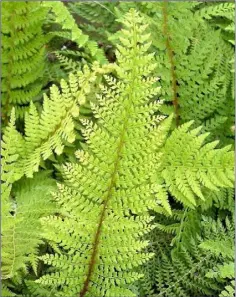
(21, 228)
(181, 272)
(48, 131)
(219, 240)
(194, 266)
(63, 17)
(9, 157)
(222, 199)
(23, 54)
(109, 191)
(189, 165)
(5, 292)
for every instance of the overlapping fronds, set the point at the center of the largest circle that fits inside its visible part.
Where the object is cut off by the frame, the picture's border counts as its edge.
(110, 191)
(21, 228)
(48, 131)
(63, 17)
(189, 164)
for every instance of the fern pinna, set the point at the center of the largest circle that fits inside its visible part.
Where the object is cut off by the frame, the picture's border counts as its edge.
(23, 55)
(110, 191)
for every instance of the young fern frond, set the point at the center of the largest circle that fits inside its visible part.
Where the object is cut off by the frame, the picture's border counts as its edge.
(111, 191)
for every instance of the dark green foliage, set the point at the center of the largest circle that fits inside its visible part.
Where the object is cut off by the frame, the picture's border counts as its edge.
(23, 55)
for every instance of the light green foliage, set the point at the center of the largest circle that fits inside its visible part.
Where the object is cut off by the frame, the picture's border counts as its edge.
(54, 126)
(229, 290)
(9, 156)
(5, 292)
(21, 228)
(23, 55)
(189, 165)
(99, 188)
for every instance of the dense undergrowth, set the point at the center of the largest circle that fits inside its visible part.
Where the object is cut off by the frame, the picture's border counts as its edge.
(117, 149)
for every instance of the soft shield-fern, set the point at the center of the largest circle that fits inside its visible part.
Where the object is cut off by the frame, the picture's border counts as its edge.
(110, 191)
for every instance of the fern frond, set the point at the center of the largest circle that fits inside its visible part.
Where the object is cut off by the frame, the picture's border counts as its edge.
(21, 228)
(5, 292)
(9, 157)
(181, 272)
(189, 165)
(48, 131)
(66, 20)
(222, 199)
(110, 191)
(23, 54)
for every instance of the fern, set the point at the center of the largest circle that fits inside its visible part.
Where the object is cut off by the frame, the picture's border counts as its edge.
(220, 240)
(124, 120)
(189, 165)
(5, 292)
(21, 229)
(63, 17)
(96, 18)
(23, 55)
(229, 290)
(46, 132)
(177, 271)
(195, 70)
(194, 263)
(220, 15)
(103, 182)
(222, 199)
(144, 206)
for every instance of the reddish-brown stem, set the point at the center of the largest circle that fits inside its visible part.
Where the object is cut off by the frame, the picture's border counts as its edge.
(110, 189)
(102, 217)
(170, 53)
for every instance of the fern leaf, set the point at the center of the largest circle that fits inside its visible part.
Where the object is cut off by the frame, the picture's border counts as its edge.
(21, 229)
(189, 165)
(23, 55)
(111, 182)
(66, 20)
